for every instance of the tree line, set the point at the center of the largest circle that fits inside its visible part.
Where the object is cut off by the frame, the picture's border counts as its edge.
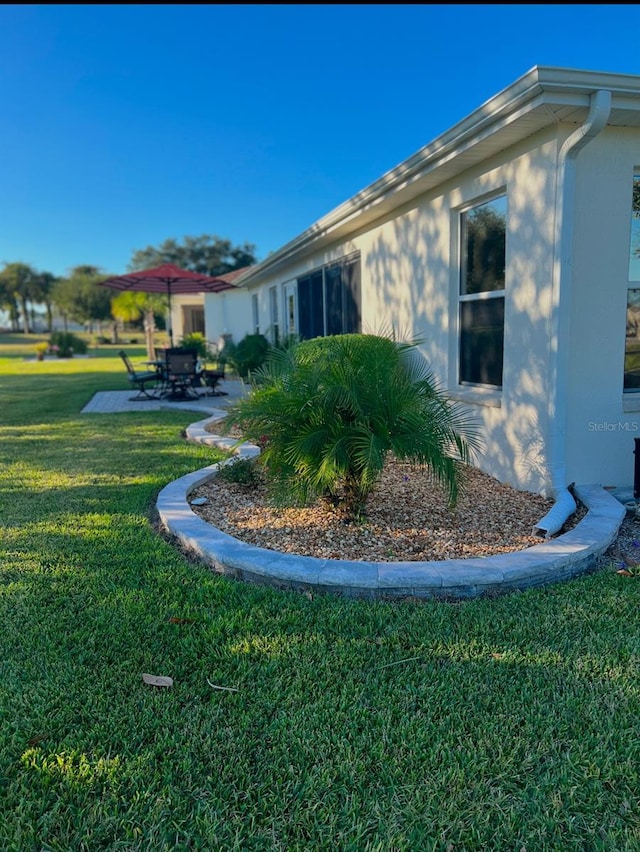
(78, 296)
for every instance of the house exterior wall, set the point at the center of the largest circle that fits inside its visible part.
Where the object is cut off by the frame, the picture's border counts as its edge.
(412, 279)
(602, 421)
(410, 282)
(228, 312)
(178, 302)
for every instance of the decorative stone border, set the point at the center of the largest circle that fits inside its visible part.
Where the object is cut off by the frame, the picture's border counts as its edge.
(551, 561)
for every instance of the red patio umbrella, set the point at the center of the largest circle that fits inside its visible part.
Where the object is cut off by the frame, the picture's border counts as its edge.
(168, 280)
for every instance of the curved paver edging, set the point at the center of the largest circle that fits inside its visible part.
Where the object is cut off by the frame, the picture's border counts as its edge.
(551, 561)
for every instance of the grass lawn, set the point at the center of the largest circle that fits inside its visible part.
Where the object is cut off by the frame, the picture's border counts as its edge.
(486, 725)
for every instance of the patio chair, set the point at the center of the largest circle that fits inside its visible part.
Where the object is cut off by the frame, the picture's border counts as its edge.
(180, 374)
(140, 379)
(212, 378)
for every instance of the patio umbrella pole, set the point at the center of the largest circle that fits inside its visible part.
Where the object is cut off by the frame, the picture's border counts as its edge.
(169, 322)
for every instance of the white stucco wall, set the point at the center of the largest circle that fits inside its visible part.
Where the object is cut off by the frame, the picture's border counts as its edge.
(411, 278)
(409, 271)
(602, 421)
(228, 312)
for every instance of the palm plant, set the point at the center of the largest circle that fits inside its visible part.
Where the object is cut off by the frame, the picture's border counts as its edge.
(333, 409)
(129, 306)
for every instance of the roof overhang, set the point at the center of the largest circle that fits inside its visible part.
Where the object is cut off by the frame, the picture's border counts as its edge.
(542, 97)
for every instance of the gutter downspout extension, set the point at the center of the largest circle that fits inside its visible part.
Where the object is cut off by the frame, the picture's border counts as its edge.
(565, 505)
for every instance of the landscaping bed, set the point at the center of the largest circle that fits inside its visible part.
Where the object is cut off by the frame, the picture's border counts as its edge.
(407, 518)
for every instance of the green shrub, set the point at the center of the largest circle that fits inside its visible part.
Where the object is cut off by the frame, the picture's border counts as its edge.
(65, 344)
(248, 355)
(241, 471)
(334, 408)
(196, 342)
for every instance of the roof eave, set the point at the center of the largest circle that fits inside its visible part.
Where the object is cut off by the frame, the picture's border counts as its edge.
(539, 86)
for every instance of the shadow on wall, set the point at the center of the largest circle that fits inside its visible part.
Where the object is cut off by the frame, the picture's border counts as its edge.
(412, 286)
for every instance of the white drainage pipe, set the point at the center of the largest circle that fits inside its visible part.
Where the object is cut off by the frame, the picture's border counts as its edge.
(557, 515)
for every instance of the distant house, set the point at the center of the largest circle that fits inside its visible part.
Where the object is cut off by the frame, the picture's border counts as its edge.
(215, 318)
(509, 245)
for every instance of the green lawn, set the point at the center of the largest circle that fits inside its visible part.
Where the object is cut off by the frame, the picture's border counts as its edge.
(488, 725)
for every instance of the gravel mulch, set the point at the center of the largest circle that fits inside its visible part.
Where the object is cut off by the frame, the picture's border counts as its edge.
(624, 553)
(407, 519)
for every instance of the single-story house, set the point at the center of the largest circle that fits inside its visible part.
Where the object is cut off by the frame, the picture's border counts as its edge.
(510, 245)
(191, 313)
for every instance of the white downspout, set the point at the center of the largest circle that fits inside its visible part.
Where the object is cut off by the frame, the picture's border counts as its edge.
(565, 505)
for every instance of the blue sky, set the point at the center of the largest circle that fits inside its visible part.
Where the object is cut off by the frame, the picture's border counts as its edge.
(125, 125)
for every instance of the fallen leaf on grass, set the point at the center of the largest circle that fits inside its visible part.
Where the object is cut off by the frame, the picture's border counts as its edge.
(624, 572)
(34, 741)
(157, 680)
(176, 620)
(397, 662)
(225, 688)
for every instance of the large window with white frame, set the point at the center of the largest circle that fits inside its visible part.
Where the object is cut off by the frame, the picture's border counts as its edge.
(632, 339)
(483, 230)
(329, 299)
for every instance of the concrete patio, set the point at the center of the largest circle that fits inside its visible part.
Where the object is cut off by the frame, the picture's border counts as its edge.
(115, 402)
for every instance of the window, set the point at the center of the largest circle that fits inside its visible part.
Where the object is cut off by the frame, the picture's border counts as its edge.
(256, 314)
(632, 339)
(481, 300)
(192, 319)
(329, 300)
(290, 312)
(273, 310)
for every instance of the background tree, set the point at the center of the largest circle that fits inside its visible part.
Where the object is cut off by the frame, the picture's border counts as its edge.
(45, 286)
(9, 304)
(19, 283)
(208, 255)
(130, 306)
(80, 297)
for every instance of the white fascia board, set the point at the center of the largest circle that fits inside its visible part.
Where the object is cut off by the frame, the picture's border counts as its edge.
(541, 86)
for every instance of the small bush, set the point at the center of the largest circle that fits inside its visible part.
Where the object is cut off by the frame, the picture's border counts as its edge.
(196, 342)
(248, 355)
(241, 471)
(65, 344)
(335, 408)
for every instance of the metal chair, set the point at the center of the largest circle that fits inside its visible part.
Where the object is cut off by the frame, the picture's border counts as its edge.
(140, 379)
(180, 375)
(212, 378)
